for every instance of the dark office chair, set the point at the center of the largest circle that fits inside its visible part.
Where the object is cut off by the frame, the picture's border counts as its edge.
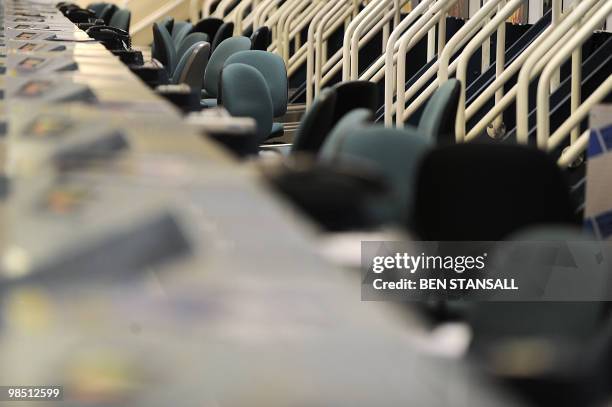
(316, 123)
(225, 31)
(208, 26)
(353, 95)
(273, 69)
(245, 94)
(164, 48)
(121, 19)
(215, 65)
(261, 39)
(394, 153)
(108, 12)
(351, 121)
(484, 192)
(180, 30)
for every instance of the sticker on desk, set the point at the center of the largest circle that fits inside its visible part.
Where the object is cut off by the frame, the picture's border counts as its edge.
(28, 46)
(48, 126)
(34, 88)
(65, 199)
(26, 36)
(30, 63)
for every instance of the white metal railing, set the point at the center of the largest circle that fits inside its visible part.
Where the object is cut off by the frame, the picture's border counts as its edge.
(146, 22)
(571, 125)
(392, 77)
(502, 101)
(538, 60)
(498, 23)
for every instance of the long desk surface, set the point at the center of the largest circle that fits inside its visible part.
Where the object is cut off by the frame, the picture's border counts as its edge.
(165, 273)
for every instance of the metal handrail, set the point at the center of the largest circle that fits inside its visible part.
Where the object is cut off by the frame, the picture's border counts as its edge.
(443, 68)
(434, 14)
(543, 100)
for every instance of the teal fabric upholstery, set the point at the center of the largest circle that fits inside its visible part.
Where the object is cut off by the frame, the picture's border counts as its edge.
(167, 22)
(438, 119)
(188, 41)
(166, 53)
(180, 30)
(191, 66)
(396, 154)
(245, 94)
(316, 123)
(217, 60)
(351, 121)
(273, 69)
(121, 19)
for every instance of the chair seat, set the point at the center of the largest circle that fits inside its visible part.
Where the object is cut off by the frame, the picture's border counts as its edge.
(208, 103)
(278, 129)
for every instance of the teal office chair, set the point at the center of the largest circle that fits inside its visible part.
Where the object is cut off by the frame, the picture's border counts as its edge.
(438, 120)
(244, 93)
(191, 65)
(394, 153)
(168, 23)
(164, 48)
(121, 19)
(228, 48)
(353, 120)
(180, 30)
(316, 123)
(273, 69)
(189, 40)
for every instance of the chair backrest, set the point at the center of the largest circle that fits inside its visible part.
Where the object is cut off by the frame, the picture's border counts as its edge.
(528, 256)
(225, 31)
(273, 69)
(355, 95)
(438, 119)
(316, 123)
(484, 192)
(189, 40)
(164, 48)
(351, 121)
(245, 94)
(190, 69)
(121, 19)
(97, 8)
(217, 60)
(261, 38)
(180, 30)
(208, 26)
(108, 12)
(167, 22)
(396, 154)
